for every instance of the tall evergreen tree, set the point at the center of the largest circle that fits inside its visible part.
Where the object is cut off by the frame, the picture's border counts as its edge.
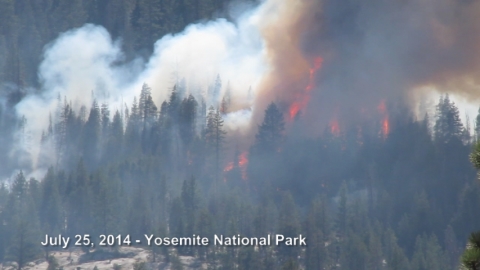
(188, 114)
(448, 124)
(91, 136)
(270, 132)
(23, 224)
(471, 256)
(214, 138)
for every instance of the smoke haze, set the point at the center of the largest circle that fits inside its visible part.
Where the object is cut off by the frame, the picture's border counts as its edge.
(370, 51)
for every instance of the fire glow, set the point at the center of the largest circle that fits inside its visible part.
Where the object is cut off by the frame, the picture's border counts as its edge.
(385, 127)
(303, 98)
(229, 167)
(335, 128)
(241, 162)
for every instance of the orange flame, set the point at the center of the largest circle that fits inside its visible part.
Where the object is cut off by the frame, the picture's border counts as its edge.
(242, 164)
(385, 129)
(304, 97)
(294, 109)
(385, 126)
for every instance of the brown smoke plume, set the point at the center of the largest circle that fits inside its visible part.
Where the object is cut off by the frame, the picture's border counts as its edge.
(289, 72)
(372, 50)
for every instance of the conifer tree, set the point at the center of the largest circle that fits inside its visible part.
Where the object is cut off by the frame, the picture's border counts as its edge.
(448, 124)
(91, 136)
(22, 224)
(214, 138)
(188, 114)
(270, 133)
(471, 256)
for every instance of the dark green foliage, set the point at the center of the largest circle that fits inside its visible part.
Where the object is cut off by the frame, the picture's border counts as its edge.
(471, 259)
(271, 131)
(471, 256)
(448, 125)
(475, 156)
(188, 114)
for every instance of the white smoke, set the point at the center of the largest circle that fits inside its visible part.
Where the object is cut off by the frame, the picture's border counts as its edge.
(83, 63)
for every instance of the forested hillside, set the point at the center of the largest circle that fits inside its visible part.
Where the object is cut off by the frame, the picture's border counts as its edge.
(364, 201)
(391, 191)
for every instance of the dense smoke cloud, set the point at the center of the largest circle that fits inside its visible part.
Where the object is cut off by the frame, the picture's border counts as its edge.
(370, 51)
(86, 63)
(376, 50)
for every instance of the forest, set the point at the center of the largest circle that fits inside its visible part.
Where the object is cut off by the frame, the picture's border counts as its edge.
(370, 195)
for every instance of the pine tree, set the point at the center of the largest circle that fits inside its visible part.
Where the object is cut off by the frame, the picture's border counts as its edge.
(146, 106)
(226, 100)
(23, 224)
(132, 132)
(79, 199)
(214, 138)
(471, 256)
(173, 105)
(270, 133)
(115, 139)
(477, 126)
(188, 114)
(91, 136)
(104, 205)
(428, 254)
(448, 124)
(395, 256)
(50, 206)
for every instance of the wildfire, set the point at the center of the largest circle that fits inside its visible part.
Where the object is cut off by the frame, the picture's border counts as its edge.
(335, 127)
(385, 128)
(294, 109)
(304, 97)
(241, 162)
